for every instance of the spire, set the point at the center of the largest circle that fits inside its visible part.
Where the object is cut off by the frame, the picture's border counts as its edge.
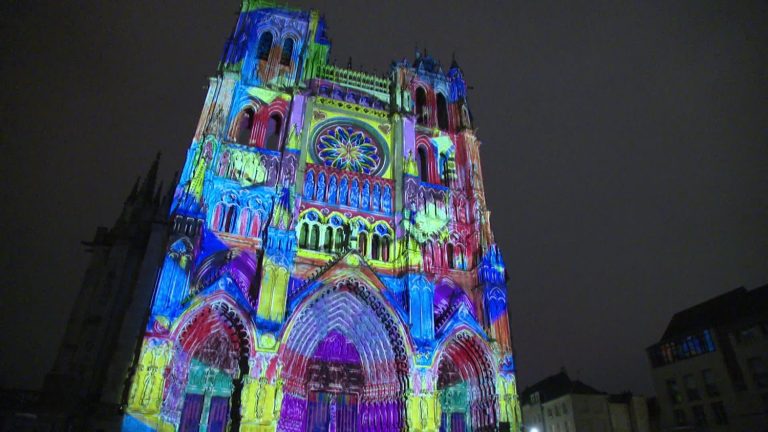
(168, 197)
(454, 63)
(158, 193)
(148, 187)
(134, 190)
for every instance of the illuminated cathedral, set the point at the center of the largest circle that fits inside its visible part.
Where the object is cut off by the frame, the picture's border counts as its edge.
(330, 264)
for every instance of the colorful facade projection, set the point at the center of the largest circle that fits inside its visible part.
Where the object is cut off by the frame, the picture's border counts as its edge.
(330, 265)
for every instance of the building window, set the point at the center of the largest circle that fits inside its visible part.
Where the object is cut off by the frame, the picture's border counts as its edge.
(549, 412)
(314, 238)
(683, 348)
(340, 244)
(273, 130)
(699, 415)
(245, 126)
(362, 243)
(680, 419)
(691, 390)
(709, 383)
(422, 163)
(421, 105)
(265, 45)
(385, 248)
(287, 53)
(565, 408)
(303, 236)
(328, 240)
(449, 250)
(375, 248)
(721, 417)
(442, 112)
(674, 392)
(757, 367)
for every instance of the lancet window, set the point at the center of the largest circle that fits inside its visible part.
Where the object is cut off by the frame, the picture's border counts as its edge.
(323, 236)
(362, 243)
(421, 106)
(422, 163)
(231, 217)
(376, 243)
(265, 45)
(274, 126)
(245, 123)
(442, 112)
(287, 52)
(347, 190)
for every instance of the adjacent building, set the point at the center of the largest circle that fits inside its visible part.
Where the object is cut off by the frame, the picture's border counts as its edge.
(710, 368)
(84, 389)
(560, 404)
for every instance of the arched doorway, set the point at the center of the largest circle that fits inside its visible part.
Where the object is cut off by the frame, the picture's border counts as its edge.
(207, 368)
(466, 385)
(344, 363)
(335, 382)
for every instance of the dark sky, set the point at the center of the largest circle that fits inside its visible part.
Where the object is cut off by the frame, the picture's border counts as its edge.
(625, 152)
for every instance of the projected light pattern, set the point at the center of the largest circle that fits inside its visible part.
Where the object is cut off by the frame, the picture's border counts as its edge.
(348, 149)
(330, 264)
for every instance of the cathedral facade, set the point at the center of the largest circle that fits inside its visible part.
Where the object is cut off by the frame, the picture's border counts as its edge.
(330, 264)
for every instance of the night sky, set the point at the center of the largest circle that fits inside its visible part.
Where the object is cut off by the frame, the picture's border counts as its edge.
(625, 152)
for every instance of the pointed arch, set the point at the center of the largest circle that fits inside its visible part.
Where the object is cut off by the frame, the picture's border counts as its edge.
(213, 340)
(358, 312)
(465, 364)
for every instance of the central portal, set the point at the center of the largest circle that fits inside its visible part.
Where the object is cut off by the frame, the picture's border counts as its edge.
(335, 382)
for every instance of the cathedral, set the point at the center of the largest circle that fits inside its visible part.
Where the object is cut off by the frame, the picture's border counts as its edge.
(330, 264)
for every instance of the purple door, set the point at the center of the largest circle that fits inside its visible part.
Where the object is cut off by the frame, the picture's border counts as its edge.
(457, 422)
(190, 414)
(318, 415)
(218, 415)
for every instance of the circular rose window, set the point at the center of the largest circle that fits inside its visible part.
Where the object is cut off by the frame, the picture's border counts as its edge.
(349, 148)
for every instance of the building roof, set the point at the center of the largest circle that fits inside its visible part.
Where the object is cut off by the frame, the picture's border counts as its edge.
(557, 385)
(734, 306)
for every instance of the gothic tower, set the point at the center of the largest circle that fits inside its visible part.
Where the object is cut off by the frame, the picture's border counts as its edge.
(330, 263)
